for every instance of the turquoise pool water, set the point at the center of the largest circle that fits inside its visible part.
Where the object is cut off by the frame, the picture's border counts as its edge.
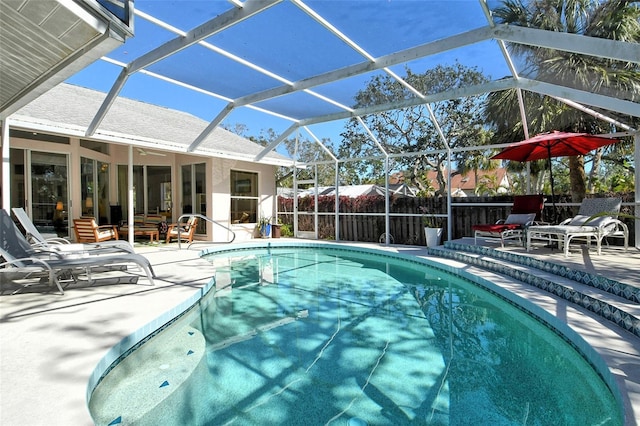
(312, 336)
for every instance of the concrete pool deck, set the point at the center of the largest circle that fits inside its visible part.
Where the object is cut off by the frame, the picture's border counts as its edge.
(50, 344)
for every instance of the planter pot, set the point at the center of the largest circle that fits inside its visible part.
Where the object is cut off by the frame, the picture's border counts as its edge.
(433, 236)
(275, 231)
(265, 231)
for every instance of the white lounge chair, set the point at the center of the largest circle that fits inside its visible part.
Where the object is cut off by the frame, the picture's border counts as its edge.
(595, 221)
(38, 240)
(21, 257)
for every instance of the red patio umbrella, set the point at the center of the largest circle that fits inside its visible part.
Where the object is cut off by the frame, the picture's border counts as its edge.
(550, 145)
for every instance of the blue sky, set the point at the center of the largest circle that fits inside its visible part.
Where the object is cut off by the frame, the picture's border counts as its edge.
(285, 41)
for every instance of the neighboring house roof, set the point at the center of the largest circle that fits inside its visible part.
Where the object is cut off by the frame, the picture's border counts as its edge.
(354, 191)
(467, 182)
(67, 109)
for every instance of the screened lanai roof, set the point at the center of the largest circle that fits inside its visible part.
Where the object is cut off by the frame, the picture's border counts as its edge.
(297, 64)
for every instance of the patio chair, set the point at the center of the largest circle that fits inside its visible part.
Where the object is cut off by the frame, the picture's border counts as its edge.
(88, 231)
(595, 221)
(20, 257)
(183, 230)
(38, 240)
(526, 210)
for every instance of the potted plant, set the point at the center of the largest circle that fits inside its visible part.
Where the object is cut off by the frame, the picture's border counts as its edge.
(275, 228)
(264, 226)
(432, 227)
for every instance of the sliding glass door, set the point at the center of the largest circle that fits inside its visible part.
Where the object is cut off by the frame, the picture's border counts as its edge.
(49, 191)
(194, 197)
(94, 178)
(151, 190)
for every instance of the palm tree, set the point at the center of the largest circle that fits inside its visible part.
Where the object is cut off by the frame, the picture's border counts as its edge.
(614, 19)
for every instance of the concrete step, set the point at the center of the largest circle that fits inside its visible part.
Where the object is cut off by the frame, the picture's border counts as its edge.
(610, 299)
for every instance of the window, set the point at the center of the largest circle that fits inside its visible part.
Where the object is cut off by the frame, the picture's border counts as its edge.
(244, 197)
(95, 146)
(94, 180)
(39, 136)
(194, 197)
(156, 199)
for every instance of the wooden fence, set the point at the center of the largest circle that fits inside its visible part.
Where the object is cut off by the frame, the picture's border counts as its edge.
(363, 218)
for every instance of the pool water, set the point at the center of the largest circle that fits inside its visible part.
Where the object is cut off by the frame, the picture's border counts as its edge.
(310, 336)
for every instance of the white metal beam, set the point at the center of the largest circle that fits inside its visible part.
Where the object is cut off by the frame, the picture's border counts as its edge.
(213, 26)
(6, 165)
(575, 43)
(209, 28)
(322, 146)
(593, 99)
(636, 208)
(432, 48)
(108, 101)
(475, 90)
(276, 142)
(211, 127)
(593, 113)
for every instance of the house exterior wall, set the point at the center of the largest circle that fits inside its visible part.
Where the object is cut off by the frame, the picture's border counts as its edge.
(218, 170)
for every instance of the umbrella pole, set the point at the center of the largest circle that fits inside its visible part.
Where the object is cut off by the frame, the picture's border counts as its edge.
(554, 213)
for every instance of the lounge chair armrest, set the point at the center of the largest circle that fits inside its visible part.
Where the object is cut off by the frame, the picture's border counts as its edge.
(615, 225)
(537, 223)
(44, 264)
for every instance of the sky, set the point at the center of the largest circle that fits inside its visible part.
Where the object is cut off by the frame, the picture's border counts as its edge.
(288, 43)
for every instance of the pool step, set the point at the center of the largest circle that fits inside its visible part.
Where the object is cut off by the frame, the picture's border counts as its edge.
(154, 373)
(610, 299)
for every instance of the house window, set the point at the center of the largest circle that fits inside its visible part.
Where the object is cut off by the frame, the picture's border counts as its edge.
(95, 146)
(244, 197)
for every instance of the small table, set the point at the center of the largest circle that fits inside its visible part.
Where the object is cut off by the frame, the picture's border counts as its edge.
(143, 232)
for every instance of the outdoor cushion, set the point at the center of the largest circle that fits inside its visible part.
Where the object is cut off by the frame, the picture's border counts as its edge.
(596, 230)
(579, 220)
(520, 219)
(496, 227)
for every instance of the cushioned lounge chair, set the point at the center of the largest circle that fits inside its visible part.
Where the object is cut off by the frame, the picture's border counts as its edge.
(38, 240)
(526, 210)
(22, 257)
(595, 221)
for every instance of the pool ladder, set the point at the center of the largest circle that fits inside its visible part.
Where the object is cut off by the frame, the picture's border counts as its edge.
(207, 219)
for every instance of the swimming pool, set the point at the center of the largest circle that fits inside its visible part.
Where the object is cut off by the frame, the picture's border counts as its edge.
(331, 334)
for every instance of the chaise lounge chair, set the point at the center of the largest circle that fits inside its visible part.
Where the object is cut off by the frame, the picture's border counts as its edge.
(38, 240)
(21, 257)
(526, 210)
(595, 221)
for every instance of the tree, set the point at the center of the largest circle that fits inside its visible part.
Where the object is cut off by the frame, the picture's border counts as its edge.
(302, 149)
(412, 129)
(475, 161)
(615, 20)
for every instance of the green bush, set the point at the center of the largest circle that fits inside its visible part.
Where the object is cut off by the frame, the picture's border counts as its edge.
(285, 230)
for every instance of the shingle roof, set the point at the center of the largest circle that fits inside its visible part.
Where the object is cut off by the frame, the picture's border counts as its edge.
(70, 109)
(467, 181)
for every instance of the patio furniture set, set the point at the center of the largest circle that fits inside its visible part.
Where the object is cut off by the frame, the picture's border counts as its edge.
(152, 226)
(53, 261)
(28, 258)
(595, 222)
